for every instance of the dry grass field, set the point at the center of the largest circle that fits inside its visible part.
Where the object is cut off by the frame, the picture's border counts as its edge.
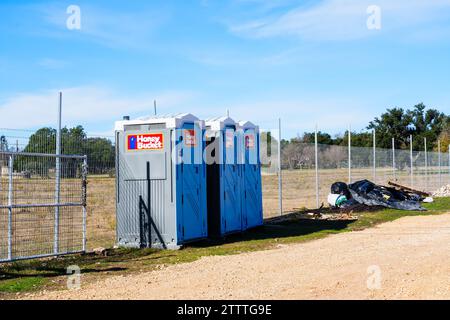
(299, 186)
(299, 192)
(101, 212)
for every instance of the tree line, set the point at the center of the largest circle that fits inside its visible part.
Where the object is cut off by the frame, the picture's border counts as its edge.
(419, 122)
(74, 141)
(398, 123)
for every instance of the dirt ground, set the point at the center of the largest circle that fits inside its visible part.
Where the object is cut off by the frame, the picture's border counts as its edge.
(405, 259)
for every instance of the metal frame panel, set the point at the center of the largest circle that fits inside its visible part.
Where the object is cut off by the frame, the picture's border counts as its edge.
(41, 215)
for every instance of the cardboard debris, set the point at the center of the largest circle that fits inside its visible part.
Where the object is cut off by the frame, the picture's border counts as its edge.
(408, 189)
(442, 192)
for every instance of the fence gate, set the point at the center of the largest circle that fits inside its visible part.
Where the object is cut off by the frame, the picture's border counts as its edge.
(42, 205)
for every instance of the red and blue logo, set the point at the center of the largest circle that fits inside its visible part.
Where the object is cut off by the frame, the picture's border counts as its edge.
(149, 141)
(132, 142)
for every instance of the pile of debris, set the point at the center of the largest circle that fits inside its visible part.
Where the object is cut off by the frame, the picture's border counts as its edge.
(370, 194)
(442, 192)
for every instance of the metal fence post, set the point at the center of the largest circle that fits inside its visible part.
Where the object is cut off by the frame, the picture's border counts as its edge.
(350, 154)
(426, 163)
(10, 203)
(280, 178)
(439, 163)
(84, 198)
(412, 160)
(374, 156)
(57, 177)
(316, 147)
(393, 159)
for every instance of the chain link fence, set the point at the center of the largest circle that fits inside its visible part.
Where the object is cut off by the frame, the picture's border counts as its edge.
(307, 172)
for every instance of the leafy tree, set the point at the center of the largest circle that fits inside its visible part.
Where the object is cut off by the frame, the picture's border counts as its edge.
(74, 141)
(444, 138)
(400, 124)
(42, 141)
(362, 139)
(395, 123)
(101, 155)
(427, 124)
(322, 138)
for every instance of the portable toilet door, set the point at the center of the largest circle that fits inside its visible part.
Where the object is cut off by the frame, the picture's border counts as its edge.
(191, 182)
(251, 195)
(224, 203)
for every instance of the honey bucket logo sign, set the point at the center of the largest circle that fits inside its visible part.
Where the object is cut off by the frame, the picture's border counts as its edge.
(250, 141)
(229, 139)
(150, 141)
(189, 138)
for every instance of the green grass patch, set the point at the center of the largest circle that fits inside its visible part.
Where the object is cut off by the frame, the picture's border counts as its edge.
(32, 275)
(21, 284)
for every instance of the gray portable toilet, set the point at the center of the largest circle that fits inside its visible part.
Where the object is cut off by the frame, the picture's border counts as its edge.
(251, 185)
(223, 177)
(160, 181)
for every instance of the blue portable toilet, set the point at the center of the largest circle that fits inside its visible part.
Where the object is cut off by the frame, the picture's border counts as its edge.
(223, 177)
(251, 186)
(160, 181)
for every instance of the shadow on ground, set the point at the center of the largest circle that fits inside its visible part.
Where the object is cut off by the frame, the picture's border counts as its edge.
(49, 272)
(282, 229)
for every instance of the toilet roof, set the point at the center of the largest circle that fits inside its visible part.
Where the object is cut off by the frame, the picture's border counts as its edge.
(170, 120)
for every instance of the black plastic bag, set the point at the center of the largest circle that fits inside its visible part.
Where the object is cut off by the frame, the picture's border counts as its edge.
(341, 188)
(370, 194)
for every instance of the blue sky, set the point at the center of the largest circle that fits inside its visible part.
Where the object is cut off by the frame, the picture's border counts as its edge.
(305, 61)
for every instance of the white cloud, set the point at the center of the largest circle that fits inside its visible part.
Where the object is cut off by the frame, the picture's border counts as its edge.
(264, 5)
(343, 19)
(229, 58)
(87, 105)
(98, 108)
(52, 63)
(102, 25)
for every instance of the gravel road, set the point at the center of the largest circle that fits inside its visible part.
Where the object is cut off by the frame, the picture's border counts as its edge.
(405, 259)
